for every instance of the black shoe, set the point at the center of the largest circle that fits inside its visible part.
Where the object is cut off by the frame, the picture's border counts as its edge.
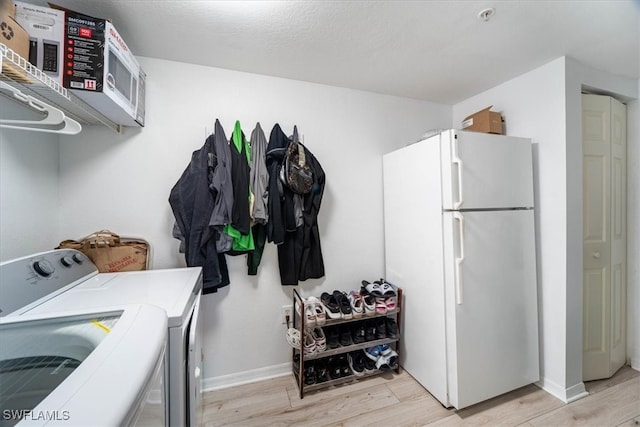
(309, 373)
(322, 372)
(332, 309)
(296, 362)
(333, 364)
(369, 330)
(333, 337)
(369, 365)
(345, 336)
(392, 329)
(345, 370)
(356, 362)
(381, 328)
(358, 333)
(344, 304)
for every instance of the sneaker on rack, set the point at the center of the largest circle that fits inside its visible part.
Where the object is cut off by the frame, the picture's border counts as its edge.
(387, 289)
(357, 304)
(309, 343)
(345, 335)
(369, 364)
(358, 332)
(373, 353)
(344, 304)
(356, 362)
(322, 372)
(319, 337)
(369, 305)
(296, 362)
(331, 307)
(384, 349)
(333, 336)
(388, 361)
(345, 370)
(372, 288)
(381, 328)
(368, 300)
(309, 373)
(333, 364)
(392, 329)
(369, 330)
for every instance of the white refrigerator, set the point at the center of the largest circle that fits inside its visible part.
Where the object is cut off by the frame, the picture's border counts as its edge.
(459, 240)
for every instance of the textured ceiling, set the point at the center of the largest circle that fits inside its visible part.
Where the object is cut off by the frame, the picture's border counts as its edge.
(432, 50)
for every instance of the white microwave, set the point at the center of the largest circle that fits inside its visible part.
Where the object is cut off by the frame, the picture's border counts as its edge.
(121, 80)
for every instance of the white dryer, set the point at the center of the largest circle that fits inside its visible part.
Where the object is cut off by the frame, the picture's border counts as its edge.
(73, 282)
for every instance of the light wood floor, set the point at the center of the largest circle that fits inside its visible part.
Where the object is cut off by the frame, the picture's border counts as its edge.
(395, 400)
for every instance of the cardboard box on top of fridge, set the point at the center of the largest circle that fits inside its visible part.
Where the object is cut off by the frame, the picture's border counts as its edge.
(484, 121)
(7, 8)
(12, 35)
(46, 37)
(100, 69)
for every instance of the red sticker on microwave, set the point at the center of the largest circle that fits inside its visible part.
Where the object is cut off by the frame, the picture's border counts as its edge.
(86, 32)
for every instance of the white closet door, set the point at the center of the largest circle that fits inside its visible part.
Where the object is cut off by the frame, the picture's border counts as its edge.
(604, 234)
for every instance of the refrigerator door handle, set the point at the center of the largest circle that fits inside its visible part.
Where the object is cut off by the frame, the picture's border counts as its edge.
(458, 280)
(458, 162)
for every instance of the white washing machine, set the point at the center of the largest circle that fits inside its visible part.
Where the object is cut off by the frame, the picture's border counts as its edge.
(68, 368)
(65, 279)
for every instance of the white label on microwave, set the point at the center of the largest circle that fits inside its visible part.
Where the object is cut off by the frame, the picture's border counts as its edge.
(89, 84)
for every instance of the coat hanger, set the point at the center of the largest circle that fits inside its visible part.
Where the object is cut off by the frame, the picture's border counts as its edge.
(50, 123)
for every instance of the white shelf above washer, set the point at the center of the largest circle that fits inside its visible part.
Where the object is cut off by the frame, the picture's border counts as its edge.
(30, 80)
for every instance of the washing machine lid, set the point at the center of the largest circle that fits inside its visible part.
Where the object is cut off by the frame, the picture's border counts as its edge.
(92, 354)
(173, 290)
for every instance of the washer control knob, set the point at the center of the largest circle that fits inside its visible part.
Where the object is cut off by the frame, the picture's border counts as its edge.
(78, 258)
(43, 268)
(66, 261)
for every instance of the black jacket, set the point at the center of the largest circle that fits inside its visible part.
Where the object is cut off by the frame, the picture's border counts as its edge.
(276, 149)
(192, 203)
(299, 250)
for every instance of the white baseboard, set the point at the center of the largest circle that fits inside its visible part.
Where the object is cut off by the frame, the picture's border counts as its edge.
(635, 363)
(567, 395)
(246, 377)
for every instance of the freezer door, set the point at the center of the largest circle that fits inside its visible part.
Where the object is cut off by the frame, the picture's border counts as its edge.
(481, 171)
(491, 303)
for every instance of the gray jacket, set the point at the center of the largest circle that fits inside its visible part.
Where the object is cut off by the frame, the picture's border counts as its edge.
(221, 187)
(259, 177)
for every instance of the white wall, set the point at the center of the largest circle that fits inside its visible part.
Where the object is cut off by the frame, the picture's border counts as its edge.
(122, 182)
(545, 105)
(28, 190)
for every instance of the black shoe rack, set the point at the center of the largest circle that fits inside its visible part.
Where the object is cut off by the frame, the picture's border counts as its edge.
(300, 361)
